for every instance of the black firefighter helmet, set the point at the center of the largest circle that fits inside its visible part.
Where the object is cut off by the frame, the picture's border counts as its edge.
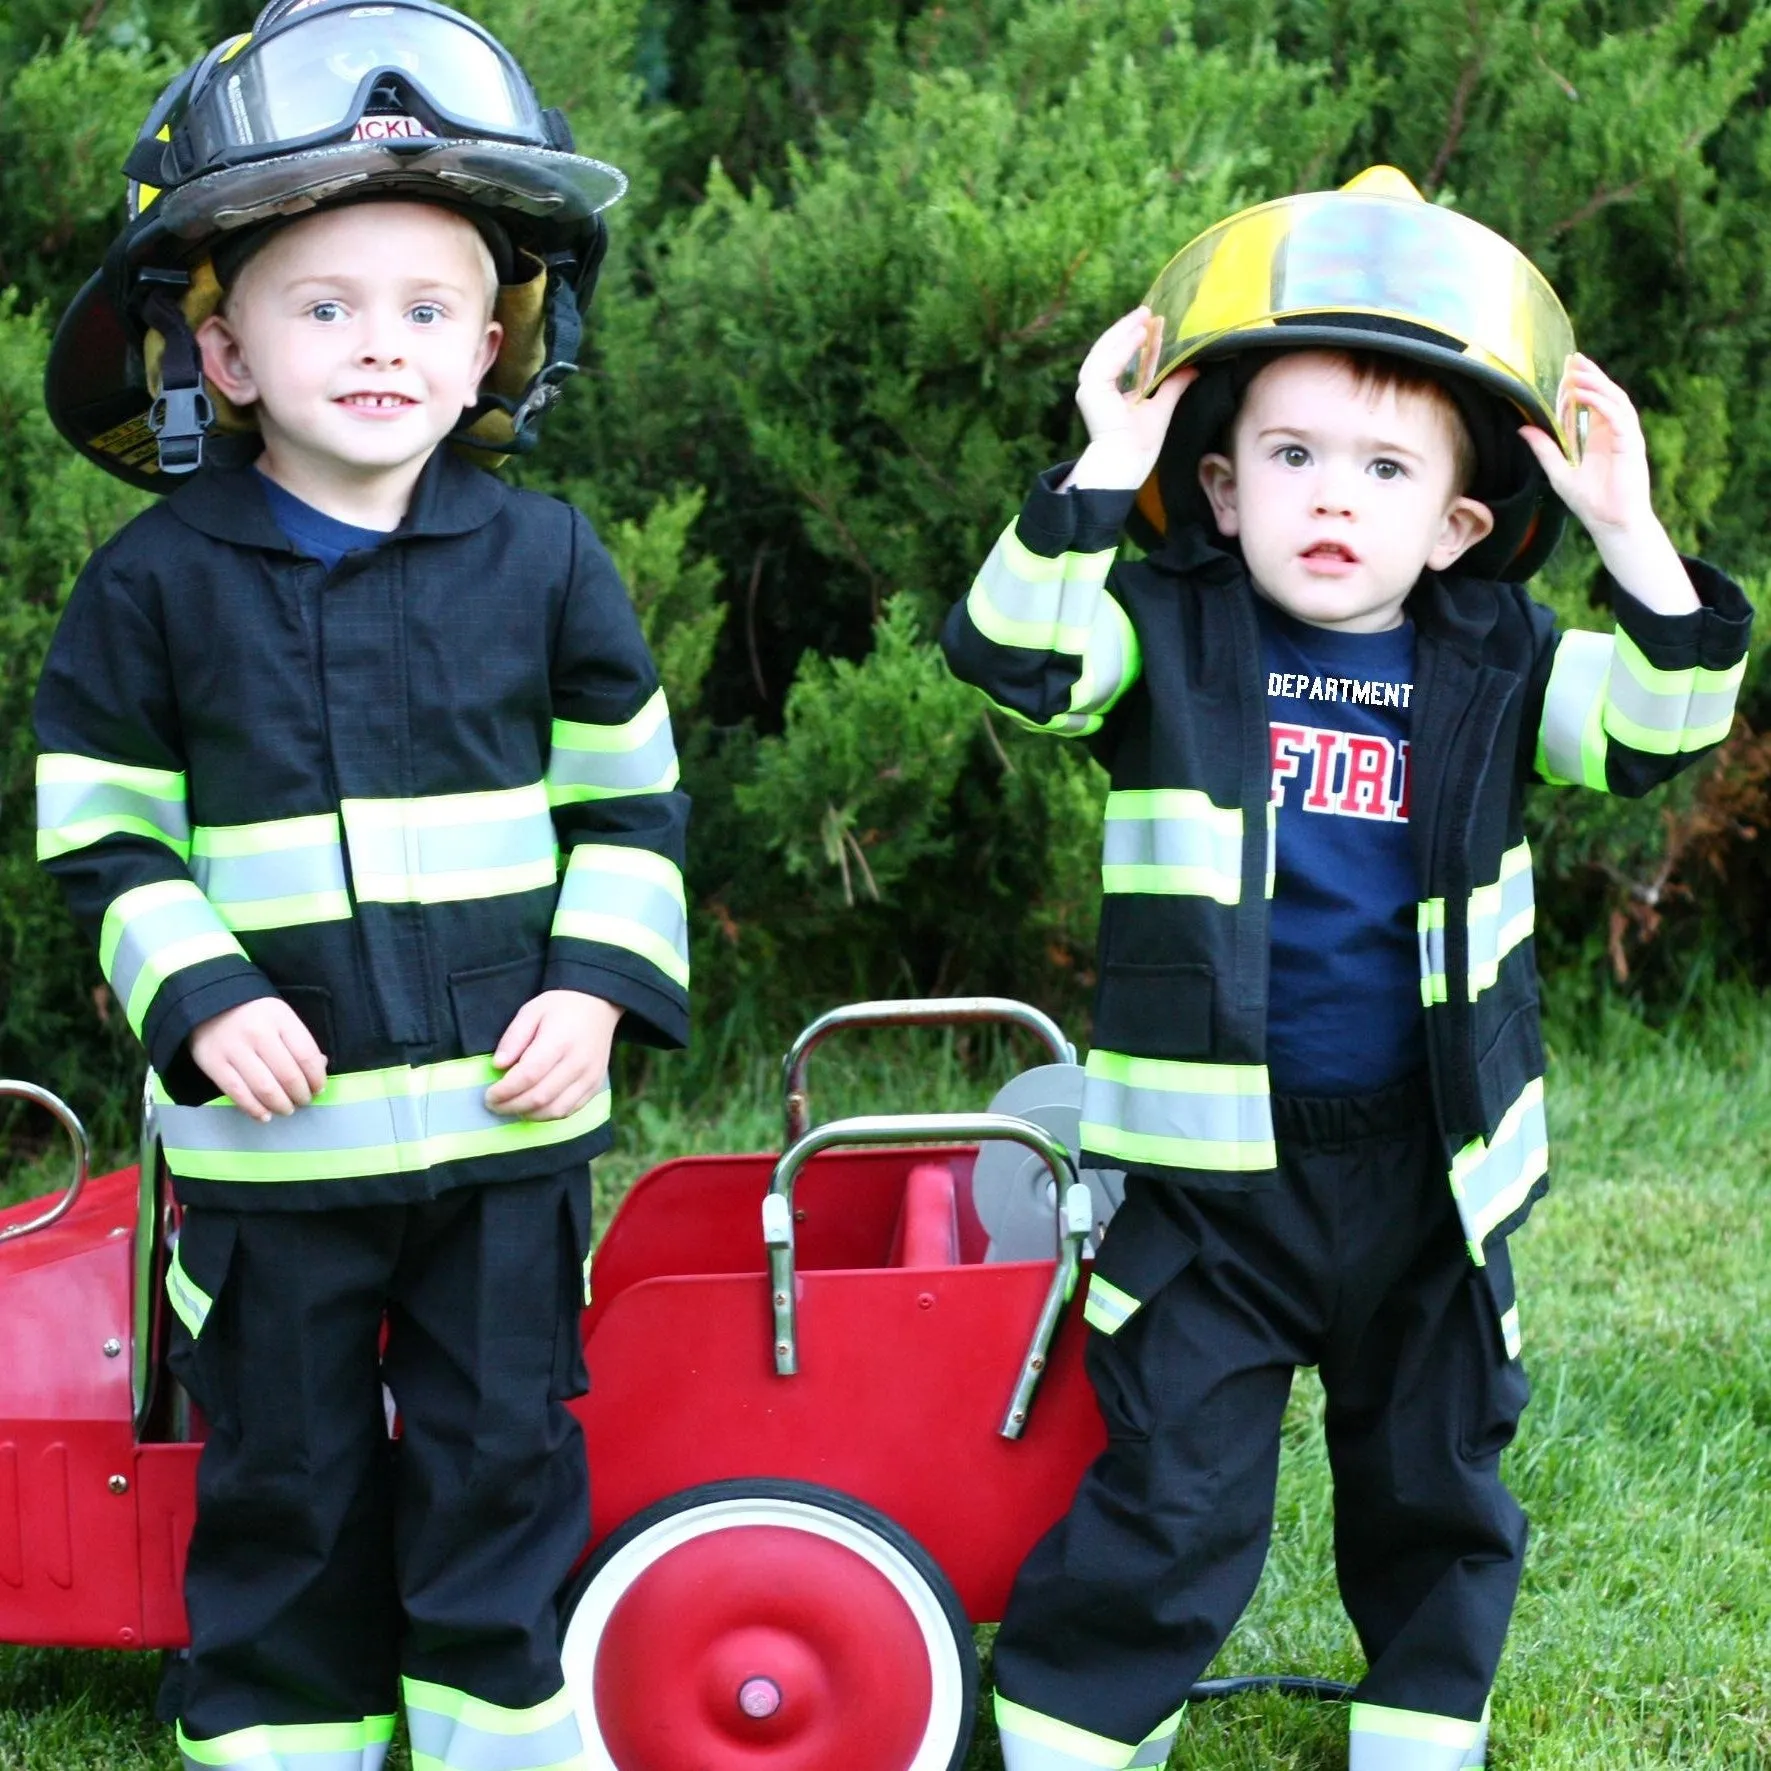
(327, 102)
(1371, 266)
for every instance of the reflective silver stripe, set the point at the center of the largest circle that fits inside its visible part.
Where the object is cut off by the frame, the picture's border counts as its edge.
(1106, 1307)
(451, 1731)
(307, 1746)
(370, 1122)
(1172, 839)
(153, 931)
(1043, 604)
(1155, 1751)
(189, 1300)
(82, 799)
(1430, 935)
(627, 897)
(1509, 1332)
(1571, 740)
(1178, 1114)
(277, 874)
(1034, 1742)
(1411, 1740)
(589, 762)
(1491, 1181)
(451, 846)
(1664, 712)
(1501, 917)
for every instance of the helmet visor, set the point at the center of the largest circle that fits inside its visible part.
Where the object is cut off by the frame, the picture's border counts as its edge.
(315, 77)
(1412, 267)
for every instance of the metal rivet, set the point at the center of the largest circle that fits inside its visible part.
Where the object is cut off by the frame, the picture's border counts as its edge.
(799, 1217)
(1020, 1415)
(781, 1347)
(1037, 1362)
(780, 1300)
(113, 1347)
(925, 1300)
(759, 1698)
(118, 1484)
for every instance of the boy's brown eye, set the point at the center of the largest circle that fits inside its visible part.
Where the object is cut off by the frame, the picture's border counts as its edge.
(1386, 469)
(1293, 455)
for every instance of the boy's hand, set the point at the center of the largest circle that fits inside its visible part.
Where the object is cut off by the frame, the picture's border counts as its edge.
(1125, 430)
(261, 1057)
(555, 1055)
(1608, 491)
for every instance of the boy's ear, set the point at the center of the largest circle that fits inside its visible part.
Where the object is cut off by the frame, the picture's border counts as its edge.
(1217, 479)
(1466, 522)
(489, 348)
(224, 363)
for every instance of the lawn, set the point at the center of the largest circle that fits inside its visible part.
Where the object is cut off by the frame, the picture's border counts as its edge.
(1644, 1461)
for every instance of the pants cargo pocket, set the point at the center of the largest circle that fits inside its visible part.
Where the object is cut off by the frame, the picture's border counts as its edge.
(569, 1375)
(197, 1289)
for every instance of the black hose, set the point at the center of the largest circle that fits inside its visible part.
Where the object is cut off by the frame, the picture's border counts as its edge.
(1320, 1690)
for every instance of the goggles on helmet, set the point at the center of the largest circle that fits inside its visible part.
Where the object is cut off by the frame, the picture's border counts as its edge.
(1421, 280)
(314, 76)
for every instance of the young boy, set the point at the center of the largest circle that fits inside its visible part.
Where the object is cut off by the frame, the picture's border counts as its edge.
(358, 770)
(1319, 1058)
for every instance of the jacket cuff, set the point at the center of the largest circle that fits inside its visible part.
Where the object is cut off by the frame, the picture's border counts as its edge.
(657, 1013)
(1713, 636)
(1089, 520)
(174, 1017)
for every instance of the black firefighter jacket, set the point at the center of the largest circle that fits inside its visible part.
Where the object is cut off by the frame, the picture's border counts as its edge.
(1158, 665)
(405, 796)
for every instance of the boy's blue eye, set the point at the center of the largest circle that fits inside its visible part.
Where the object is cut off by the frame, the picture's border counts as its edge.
(1295, 455)
(426, 313)
(327, 311)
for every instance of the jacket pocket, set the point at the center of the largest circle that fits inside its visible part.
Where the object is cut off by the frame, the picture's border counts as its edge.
(313, 1009)
(486, 999)
(197, 1288)
(1155, 1011)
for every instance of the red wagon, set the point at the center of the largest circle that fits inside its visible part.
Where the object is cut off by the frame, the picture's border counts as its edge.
(817, 1460)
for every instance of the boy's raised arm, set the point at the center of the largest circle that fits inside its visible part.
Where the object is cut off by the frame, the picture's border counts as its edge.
(620, 928)
(114, 828)
(1039, 632)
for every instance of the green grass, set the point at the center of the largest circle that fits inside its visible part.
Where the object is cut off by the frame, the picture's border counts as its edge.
(1644, 1461)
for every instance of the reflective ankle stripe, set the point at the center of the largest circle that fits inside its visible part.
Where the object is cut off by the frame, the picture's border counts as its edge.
(611, 762)
(83, 799)
(627, 897)
(1178, 1114)
(363, 1123)
(1665, 712)
(452, 1731)
(1172, 840)
(190, 1302)
(1501, 915)
(451, 846)
(310, 1746)
(1412, 1740)
(151, 933)
(1060, 605)
(1032, 1742)
(1491, 1180)
(284, 872)
(1510, 1336)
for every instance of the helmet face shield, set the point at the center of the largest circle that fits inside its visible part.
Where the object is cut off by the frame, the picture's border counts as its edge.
(312, 78)
(1433, 284)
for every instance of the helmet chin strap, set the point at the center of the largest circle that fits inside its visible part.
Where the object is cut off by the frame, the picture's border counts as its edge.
(181, 415)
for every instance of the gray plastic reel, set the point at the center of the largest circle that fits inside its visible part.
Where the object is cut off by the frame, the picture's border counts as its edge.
(1013, 1190)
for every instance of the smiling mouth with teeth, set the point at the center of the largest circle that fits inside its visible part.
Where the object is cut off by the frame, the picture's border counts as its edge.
(375, 402)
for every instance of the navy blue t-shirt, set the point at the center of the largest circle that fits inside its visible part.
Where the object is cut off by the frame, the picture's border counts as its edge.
(1343, 1000)
(311, 531)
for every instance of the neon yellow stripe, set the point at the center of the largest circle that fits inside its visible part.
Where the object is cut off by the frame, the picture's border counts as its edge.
(188, 1299)
(269, 1741)
(619, 931)
(1196, 882)
(176, 958)
(476, 1712)
(630, 863)
(1064, 1737)
(281, 913)
(1371, 1718)
(1238, 1156)
(231, 841)
(612, 740)
(1178, 1075)
(452, 888)
(83, 835)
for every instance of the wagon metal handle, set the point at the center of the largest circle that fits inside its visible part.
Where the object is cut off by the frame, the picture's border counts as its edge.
(1075, 1219)
(70, 1123)
(927, 1011)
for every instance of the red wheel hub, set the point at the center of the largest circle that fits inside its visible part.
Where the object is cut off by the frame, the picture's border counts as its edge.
(762, 1648)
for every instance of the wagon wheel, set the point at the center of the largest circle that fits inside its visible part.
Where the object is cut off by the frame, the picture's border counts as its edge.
(767, 1626)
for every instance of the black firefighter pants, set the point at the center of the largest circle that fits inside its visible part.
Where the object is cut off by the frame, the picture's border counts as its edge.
(1353, 1261)
(328, 1560)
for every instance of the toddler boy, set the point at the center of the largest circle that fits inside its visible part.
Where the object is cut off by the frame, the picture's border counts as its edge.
(357, 768)
(1318, 1051)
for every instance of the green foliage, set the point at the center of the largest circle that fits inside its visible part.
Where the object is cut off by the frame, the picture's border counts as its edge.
(866, 244)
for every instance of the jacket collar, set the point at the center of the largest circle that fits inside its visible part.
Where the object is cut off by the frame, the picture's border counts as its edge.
(1459, 612)
(227, 503)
